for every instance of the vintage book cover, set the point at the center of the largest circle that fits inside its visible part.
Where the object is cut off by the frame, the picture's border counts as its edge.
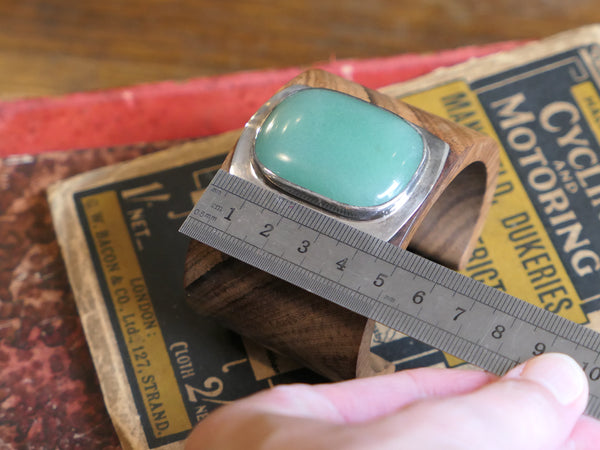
(162, 369)
(541, 103)
(117, 230)
(43, 352)
(48, 388)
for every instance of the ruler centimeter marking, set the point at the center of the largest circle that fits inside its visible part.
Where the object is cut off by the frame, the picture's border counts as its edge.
(411, 294)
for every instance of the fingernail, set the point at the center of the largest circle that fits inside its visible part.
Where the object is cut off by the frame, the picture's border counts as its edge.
(558, 373)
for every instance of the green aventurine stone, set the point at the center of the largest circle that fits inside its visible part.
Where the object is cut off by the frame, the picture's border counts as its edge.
(340, 147)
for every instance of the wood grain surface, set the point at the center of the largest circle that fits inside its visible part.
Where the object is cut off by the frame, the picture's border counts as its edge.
(50, 47)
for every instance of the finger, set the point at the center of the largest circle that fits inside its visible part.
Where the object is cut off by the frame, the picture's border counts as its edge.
(535, 406)
(366, 398)
(586, 435)
(312, 411)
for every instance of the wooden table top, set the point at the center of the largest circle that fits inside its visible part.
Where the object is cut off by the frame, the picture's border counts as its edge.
(60, 46)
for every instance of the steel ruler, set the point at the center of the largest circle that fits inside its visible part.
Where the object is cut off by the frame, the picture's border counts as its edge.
(411, 294)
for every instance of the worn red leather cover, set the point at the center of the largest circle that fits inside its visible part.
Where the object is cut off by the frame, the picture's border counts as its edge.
(173, 110)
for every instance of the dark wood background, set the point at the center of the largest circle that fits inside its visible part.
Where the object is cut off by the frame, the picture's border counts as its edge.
(50, 47)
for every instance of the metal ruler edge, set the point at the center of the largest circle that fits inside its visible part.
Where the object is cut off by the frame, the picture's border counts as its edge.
(209, 224)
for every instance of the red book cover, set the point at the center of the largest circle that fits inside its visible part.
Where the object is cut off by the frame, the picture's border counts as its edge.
(196, 108)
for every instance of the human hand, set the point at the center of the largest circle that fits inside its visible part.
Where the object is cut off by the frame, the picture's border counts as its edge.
(537, 405)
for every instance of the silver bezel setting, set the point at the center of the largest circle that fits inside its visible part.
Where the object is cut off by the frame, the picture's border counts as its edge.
(382, 220)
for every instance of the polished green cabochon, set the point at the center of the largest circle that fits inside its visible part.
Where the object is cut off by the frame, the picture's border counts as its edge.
(340, 147)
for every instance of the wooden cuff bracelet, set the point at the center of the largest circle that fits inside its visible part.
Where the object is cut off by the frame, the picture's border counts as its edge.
(321, 335)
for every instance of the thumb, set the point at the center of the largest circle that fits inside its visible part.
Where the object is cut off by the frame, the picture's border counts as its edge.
(535, 406)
